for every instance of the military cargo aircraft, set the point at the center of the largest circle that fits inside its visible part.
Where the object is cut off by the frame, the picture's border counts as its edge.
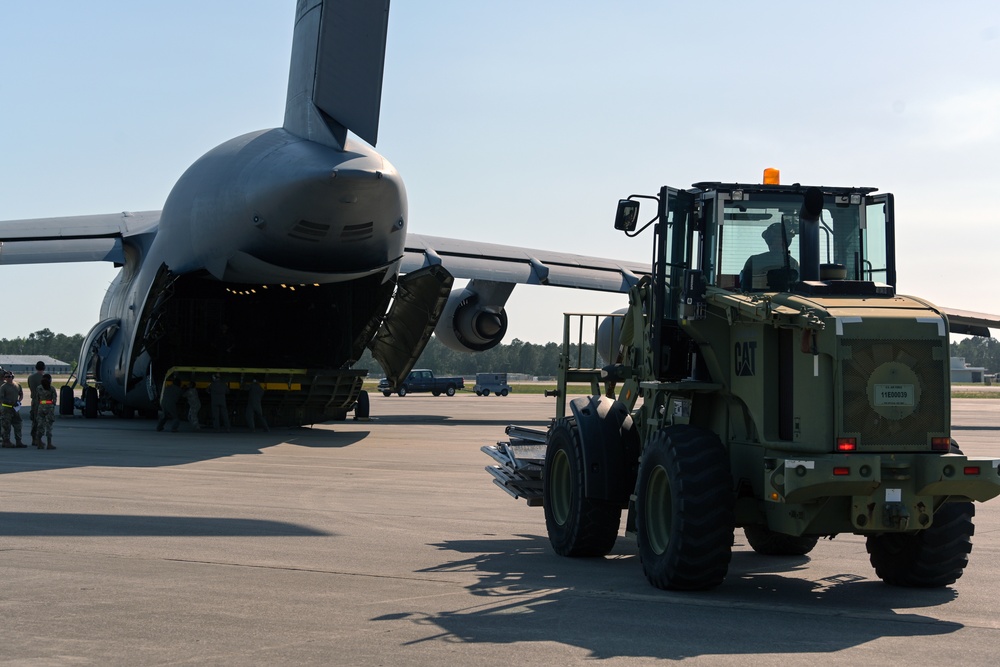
(283, 253)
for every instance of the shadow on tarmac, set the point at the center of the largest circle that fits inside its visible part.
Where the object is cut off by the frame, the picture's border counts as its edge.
(42, 524)
(605, 606)
(136, 443)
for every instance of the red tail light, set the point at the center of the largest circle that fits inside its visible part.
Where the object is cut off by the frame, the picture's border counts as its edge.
(847, 444)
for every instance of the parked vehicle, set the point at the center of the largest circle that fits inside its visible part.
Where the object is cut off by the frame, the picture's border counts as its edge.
(422, 379)
(491, 383)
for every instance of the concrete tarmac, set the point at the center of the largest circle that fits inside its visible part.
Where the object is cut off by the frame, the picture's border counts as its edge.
(385, 543)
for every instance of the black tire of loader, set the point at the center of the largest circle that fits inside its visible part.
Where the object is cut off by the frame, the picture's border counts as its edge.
(577, 526)
(684, 509)
(931, 558)
(769, 543)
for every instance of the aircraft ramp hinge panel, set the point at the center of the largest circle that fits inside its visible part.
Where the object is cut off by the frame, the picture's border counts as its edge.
(420, 298)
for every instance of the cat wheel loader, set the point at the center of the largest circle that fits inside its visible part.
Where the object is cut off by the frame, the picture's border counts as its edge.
(766, 376)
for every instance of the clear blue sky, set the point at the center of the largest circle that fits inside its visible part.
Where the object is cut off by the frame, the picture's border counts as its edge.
(524, 122)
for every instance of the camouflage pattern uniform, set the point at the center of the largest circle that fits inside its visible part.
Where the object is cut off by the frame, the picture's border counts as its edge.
(34, 381)
(194, 405)
(10, 396)
(45, 414)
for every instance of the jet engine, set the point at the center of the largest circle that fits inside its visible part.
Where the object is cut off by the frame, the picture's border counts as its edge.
(474, 319)
(609, 336)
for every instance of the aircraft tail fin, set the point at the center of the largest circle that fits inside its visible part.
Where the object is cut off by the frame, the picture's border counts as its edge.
(335, 78)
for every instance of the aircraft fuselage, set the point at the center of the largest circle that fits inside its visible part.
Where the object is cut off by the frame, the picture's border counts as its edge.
(262, 215)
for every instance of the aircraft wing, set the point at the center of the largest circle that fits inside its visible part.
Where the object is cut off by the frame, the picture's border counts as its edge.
(510, 264)
(81, 238)
(969, 322)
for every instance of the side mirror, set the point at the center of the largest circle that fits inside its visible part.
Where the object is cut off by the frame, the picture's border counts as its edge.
(628, 214)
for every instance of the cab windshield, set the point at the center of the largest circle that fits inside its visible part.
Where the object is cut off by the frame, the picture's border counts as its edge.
(758, 242)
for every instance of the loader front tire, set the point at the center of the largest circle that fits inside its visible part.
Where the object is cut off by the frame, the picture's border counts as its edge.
(684, 509)
(769, 543)
(578, 526)
(931, 558)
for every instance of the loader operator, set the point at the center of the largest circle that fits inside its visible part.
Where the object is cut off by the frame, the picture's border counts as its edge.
(754, 276)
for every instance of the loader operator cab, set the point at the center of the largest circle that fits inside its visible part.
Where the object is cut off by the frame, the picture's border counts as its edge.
(769, 238)
(758, 240)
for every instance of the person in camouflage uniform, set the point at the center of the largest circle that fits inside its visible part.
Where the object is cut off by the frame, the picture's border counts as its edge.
(194, 404)
(46, 411)
(10, 400)
(34, 380)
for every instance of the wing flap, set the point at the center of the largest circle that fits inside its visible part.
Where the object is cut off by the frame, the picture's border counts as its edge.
(970, 323)
(510, 264)
(81, 238)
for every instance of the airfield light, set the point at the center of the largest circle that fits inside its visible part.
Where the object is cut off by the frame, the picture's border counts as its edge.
(772, 176)
(292, 288)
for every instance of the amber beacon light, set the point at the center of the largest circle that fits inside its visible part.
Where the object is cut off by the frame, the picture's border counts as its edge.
(772, 176)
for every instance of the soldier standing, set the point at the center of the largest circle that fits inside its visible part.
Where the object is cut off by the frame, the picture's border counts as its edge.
(10, 400)
(194, 405)
(168, 403)
(255, 393)
(46, 412)
(217, 390)
(34, 380)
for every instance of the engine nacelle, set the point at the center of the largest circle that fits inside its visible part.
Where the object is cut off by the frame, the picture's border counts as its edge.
(470, 324)
(609, 336)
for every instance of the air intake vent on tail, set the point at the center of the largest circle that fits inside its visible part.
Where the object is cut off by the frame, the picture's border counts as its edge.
(360, 232)
(309, 231)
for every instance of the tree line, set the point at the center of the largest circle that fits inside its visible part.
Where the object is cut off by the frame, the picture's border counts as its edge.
(45, 343)
(514, 357)
(979, 352)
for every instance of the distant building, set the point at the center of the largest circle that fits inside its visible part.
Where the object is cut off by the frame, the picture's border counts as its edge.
(962, 372)
(24, 364)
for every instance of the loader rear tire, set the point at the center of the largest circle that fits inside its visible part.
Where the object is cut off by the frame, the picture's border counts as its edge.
(578, 526)
(931, 558)
(769, 543)
(684, 509)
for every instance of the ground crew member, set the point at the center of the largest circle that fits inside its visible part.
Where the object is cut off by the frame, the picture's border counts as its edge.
(194, 405)
(10, 400)
(217, 391)
(255, 393)
(34, 380)
(46, 412)
(168, 403)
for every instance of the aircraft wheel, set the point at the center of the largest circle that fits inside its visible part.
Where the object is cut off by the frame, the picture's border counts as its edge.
(930, 558)
(450, 391)
(402, 391)
(684, 509)
(362, 410)
(769, 543)
(577, 525)
(90, 402)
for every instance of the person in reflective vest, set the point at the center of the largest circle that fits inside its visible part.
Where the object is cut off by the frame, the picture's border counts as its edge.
(10, 400)
(45, 413)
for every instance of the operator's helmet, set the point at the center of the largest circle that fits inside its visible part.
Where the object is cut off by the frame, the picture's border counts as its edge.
(773, 233)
